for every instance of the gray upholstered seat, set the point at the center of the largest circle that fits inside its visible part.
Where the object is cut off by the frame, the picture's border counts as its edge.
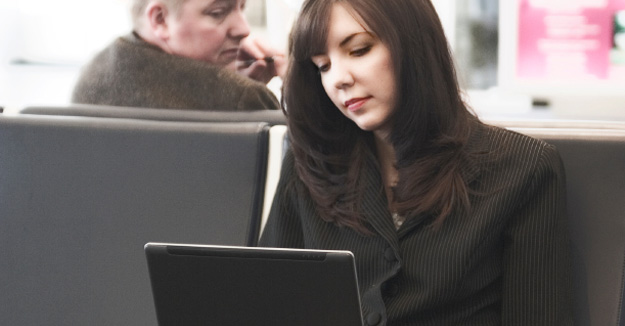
(271, 117)
(79, 197)
(593, 154)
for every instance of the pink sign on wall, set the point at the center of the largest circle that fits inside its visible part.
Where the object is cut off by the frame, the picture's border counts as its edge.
(571, 40)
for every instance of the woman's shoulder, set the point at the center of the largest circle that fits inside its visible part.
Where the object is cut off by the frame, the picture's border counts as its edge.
(496, 139)
(508, 149)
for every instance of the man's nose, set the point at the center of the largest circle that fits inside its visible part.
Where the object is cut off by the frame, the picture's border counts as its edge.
(239, 27)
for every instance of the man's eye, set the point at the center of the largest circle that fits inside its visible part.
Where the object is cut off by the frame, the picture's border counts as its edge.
(216, 13)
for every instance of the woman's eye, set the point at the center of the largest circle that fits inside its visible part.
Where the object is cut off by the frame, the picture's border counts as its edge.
(361, 51)
(321, 65)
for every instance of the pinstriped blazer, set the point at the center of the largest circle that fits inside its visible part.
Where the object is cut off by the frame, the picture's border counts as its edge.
(506, 262)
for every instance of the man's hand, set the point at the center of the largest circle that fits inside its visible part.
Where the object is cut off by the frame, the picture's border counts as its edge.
(259, 61)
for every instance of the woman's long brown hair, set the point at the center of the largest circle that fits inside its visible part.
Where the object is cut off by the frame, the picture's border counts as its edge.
(431, 123)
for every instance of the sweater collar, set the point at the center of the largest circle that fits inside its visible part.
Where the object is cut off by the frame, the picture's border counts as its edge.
(134, 38)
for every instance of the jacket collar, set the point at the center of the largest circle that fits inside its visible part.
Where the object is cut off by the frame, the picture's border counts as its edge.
(374, 204)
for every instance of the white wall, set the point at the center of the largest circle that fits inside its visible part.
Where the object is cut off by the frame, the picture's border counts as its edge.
(55, 38)
(59, 36)
(446, 10)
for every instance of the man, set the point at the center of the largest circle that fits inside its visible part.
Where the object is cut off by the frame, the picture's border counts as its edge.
(182, 55)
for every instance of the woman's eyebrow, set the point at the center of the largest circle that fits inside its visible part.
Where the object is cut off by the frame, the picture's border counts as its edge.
(351, 37)
(344, 42)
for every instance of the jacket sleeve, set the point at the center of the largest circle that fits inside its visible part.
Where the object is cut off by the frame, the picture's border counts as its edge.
(537, 287)
(284, 227)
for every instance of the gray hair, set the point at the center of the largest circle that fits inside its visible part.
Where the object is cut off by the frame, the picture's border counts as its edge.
(137, 9)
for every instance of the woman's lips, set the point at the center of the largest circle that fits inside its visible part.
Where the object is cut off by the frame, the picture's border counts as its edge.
(356, 103)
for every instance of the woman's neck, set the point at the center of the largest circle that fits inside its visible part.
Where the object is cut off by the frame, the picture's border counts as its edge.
(387, 161)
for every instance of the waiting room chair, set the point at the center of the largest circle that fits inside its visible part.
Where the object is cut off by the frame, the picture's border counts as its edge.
(80, 196)
(593, 154)
(272, 117)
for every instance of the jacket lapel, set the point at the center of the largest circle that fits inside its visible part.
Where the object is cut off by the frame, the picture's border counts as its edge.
(374, 204)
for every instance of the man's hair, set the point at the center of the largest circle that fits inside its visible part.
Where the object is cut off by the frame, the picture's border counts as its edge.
(137, 9)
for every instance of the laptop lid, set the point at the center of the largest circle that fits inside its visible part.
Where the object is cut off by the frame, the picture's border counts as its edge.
(226, 285)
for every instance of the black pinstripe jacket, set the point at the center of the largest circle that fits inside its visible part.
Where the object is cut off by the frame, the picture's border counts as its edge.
(504, 263)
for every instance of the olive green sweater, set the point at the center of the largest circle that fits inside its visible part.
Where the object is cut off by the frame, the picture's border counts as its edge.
(131, 72)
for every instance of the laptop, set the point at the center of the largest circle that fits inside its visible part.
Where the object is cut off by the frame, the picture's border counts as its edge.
(229, 285)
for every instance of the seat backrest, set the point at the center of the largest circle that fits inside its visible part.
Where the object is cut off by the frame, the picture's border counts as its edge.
(79, 197)
(593, 154)
(271, 117)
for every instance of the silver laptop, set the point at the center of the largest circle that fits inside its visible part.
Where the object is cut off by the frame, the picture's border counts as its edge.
(225, 285)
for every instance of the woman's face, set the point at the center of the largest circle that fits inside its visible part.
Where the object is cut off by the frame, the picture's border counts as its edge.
(208, 30)
(357, 73)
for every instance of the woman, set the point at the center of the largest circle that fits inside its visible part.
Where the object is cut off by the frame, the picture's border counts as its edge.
(451, 222)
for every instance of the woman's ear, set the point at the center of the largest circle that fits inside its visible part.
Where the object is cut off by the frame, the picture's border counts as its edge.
(156, 14)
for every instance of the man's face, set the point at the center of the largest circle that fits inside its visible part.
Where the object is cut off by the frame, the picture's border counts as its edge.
(208, 30)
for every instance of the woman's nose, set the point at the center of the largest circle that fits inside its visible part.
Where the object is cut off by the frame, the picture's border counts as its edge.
(341, 76)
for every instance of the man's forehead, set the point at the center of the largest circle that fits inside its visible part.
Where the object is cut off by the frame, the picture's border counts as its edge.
(225, 1)
(204, 3)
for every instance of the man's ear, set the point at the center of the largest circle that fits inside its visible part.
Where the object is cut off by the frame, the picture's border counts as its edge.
(156, 14)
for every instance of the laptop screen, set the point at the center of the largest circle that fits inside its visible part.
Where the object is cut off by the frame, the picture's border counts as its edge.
(225, 285)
